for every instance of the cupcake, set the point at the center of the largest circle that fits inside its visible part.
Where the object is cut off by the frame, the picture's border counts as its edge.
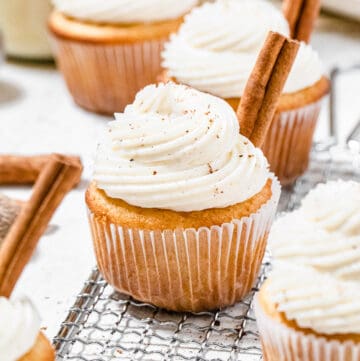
(309, 308)
(215, 50)
(108, 50)
(20, 336)
(181, 204)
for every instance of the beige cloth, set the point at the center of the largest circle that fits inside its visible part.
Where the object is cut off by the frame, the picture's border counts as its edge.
(9, 209)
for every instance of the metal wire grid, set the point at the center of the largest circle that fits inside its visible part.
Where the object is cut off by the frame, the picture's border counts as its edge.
(104, 325)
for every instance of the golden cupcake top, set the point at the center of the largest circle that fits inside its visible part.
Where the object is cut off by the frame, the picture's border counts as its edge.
(180, 149)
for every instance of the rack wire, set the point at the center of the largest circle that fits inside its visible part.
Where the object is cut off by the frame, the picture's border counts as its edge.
(104, 325)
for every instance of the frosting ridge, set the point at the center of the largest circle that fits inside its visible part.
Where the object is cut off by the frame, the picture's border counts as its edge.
(335, 206)
(316, 300)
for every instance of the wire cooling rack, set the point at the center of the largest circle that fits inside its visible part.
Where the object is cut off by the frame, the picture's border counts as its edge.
(104, 325)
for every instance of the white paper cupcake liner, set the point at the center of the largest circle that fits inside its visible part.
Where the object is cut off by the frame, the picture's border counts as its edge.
(185, 269)
(282, 343)
(104, 78)
(289, 141)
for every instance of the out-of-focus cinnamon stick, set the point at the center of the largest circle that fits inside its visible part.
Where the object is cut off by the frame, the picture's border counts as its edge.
(23, 169)
(262, 92)
(301, 16)
(57, 177)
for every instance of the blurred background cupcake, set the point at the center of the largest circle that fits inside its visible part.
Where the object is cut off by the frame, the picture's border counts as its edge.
(23, 28)
(308, 315)
(309, 308)
(215, 50)
(181, 203)
(108, 50)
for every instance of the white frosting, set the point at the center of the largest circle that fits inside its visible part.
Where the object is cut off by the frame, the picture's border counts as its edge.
(316, 300)
(124, 11)
(177, 148)
(317, 260)
(295, 239)
(335, 206)
(19, 328)
(216, 48)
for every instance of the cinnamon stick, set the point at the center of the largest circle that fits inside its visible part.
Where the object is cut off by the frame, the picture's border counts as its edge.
(262, 92)
(23, 169)
(301, 16)
(57, 177)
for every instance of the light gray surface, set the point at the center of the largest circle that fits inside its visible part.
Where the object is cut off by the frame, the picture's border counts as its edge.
(349, 8)
(37, 115)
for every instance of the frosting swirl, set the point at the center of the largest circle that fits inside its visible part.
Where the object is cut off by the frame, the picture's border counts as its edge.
(335, 206)
(316, 300)
(296, 240)
(20, 324)
(124, 11)
(177, 148)
(316, 281)
(216, 48)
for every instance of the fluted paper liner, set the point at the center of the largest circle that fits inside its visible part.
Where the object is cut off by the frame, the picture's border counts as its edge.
(283, 343)
(105, 78)
(185, 269)
(289, 141)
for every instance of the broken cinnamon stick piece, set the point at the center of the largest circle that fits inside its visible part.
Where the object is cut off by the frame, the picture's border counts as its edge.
(301, 16)
(58, 177)
(23, 169)
(262, 92)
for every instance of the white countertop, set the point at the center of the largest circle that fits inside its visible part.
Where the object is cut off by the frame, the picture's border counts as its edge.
(37, 115)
